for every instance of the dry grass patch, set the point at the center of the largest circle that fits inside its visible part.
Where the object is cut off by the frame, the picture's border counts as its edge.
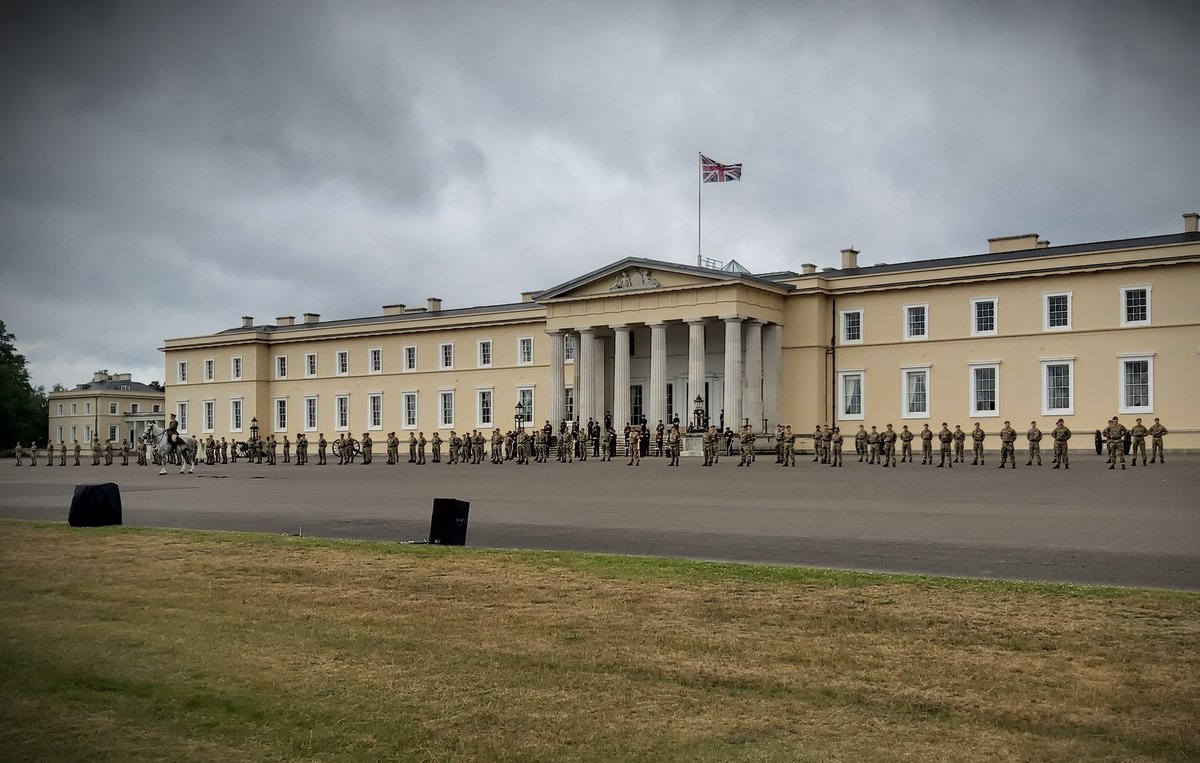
(123, 644)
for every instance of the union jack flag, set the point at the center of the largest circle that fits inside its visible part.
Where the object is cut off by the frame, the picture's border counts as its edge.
(713, 172)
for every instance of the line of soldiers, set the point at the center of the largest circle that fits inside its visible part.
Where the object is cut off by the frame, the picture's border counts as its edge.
(1114, 436)
(108, 450)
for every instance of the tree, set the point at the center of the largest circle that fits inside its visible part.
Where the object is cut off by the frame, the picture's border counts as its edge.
(24, 411)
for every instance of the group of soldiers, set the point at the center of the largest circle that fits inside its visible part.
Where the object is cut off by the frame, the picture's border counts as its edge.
(1114, 436)
(108, 451)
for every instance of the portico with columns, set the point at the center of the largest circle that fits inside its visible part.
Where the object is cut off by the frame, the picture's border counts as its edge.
(650, 338)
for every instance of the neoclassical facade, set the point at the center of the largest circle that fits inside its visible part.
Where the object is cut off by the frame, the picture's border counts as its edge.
(110, 406)
(1026, 331)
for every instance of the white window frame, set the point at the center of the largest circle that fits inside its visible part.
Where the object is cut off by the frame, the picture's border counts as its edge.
(975, 316)
(375, 360)
(442, 364)
(114, 409)
(281, 367)
(209, 422)
(181, 413)
(522, 360)
(181, 370)
(908, 337)
(280, 423)
(1043, 382)
(971, 389)
(341, 413)
(135, 407)
(490, 422)
(1046, 312)
(570, 348)
(74, 409)
(905, 413)
(569, 403)
(1124, 312)
(341, 362)
(237, 414)
(443, 395)
(60, 409)
(842, 325)
(210, 369)
(312, 413)
(480, 344)
(529, 409)
(310, 364)
(374, 423)
(1122, 359)
(405, 397)
(861, 373)
(410, 367)
(87, 408)
(235, 368)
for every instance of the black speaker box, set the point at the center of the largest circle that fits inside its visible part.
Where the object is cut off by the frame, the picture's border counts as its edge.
(448, 526)
(95, 505)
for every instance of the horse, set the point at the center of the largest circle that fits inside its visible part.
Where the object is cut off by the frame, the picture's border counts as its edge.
(156, 439)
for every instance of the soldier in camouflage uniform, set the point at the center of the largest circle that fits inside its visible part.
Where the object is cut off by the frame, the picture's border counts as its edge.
(1061, 435)
(872, 446)
(977, 435)
(635, 447)
(497, 447)
(1115, 435)
(860, 443)
(674, 445)
(946, 438)
(927, 445)
(835, 456)
(1138, 433)
(455, 446)
(817, 444)
(779, 443)
(1156, 441)
(887, 443)
(906, 438)
(1034, 435)
(789, 447)
(322, 446)
(959, 438)
(1008, 436)
(708, 443)
(827, 442)
(746, 442)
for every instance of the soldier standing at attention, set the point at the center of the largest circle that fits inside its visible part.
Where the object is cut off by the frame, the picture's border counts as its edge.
(927, 445)
(522, 447)
(322, 446)
(1008, 436)
(76, 448)
(497, 447)
(633, 447)
(1116, 443)
(124, 453)
(367, 445)
(906, 438)
(1061, 435)
(455, 445)
(860, 442)
(435, 443)
(108, 452)
(1156, 444)
(945, 437)
(779, 443)
(302, 449)
(96, 451)
(224, 451)
(977, 435)
(287, 449)
(33, 453)
(412, 447)
(789, 447)
(872, 446)
(1138, 433)
(817, 444)
(826, 442)
(708, 442)
(62, 453)
(141, 454)
(835, 448)
(673, 445)
(888, 441)
(1034, 435)
(959, 438)
(18, 452)
(272, 450)
(393, 448)
(421, 441)
(50, 452)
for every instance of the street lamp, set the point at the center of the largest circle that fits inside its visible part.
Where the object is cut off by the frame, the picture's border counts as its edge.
(254, 429)
(698, 413)
(519, 416)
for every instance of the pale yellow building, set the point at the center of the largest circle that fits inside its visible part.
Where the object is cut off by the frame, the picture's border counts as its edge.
(110, 406)
(1026, 331)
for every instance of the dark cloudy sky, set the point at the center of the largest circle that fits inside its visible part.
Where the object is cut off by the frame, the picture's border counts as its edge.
(167, 167)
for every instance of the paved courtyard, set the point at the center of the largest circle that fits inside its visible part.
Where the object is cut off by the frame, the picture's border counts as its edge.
(1135, 527)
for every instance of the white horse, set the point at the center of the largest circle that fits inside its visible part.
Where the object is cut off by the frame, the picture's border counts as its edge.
(156, 439)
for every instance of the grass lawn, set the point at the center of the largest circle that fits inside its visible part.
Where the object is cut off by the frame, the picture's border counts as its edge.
(124, 644)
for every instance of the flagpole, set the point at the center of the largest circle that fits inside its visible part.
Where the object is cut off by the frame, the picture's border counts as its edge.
(699, 201)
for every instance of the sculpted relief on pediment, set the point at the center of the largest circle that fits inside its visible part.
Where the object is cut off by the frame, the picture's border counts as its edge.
(635, 278)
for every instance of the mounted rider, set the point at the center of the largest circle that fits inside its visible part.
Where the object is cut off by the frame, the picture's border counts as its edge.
(173, 439)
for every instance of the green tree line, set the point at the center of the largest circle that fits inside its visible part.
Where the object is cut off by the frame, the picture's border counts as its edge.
(24, 411)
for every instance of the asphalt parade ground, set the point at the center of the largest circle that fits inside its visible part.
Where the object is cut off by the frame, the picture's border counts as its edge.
(1138, 527)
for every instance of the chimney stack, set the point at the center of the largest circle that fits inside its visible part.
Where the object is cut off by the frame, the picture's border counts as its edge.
(435, 304)
(808, 269)
(311, 318)
(849, 258)
(393, 309)
(1190, 221)
(1018, 243)
(247, 321)
(285, 320)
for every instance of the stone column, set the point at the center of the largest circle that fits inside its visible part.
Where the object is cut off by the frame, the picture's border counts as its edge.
(599, 362)
(585, 376)
(733, 372)
(620, 377)
(695, 385)
(772, 363)
(558, 381)
(658, 374)
(752, 398)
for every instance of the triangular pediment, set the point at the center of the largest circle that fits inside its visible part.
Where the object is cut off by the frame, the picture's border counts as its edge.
(636, 275)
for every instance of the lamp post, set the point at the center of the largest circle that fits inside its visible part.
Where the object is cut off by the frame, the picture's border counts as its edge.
(698, 413)
(254, 429)
(518, 416)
